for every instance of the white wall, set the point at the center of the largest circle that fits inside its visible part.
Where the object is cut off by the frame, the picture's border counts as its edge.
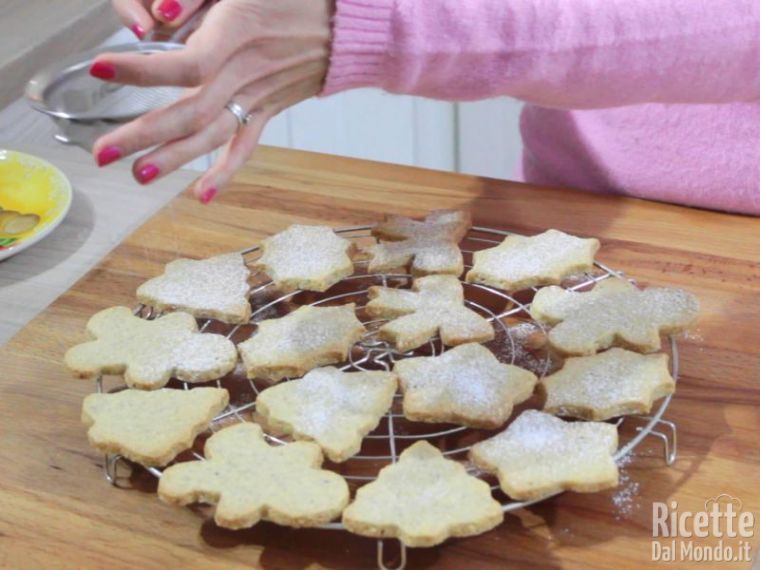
(477, 138)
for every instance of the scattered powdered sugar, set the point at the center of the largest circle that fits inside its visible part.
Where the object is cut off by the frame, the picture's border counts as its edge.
(625, 496)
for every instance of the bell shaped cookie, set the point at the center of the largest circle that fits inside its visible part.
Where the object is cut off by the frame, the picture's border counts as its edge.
(213, 288)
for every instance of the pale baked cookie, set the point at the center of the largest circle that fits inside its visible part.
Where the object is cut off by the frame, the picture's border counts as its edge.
(306, 257)
(465, 385)
(150, 428)
(292, 345)
(429, 246)
(249, 481)
(213, 288)
(434, 305)
(422, 500)
(149, 353)
(609, 384)
(332, 408)
(539, 455)
(520, 262)
(613, 313)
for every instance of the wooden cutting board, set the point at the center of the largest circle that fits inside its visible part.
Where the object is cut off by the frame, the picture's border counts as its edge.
(56, 508)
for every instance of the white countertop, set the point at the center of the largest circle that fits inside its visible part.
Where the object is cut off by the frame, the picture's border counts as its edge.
(108, 205)
(33, 33)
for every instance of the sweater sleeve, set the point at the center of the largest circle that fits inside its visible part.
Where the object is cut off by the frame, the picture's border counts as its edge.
(556, 53)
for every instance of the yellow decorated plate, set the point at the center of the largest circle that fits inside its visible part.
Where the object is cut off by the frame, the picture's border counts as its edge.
(34, 198)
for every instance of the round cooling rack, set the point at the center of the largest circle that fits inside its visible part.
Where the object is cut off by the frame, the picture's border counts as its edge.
(519, 340)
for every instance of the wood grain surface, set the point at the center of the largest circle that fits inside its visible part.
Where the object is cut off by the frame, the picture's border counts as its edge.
(57, 510)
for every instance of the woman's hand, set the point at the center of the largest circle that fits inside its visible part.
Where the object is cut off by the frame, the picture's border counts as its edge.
(264, 55)
(142, 16)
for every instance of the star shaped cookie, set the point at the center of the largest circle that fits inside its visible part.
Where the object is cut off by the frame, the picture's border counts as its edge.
(332, 408)
(613, 313)
(292, 345)
(540, 455)
(465, 385)
(150, 428)
(249, 480)
(520, 262)
(213, 288)
(422, 500)
(429, 246)
(306, 257)
(609, 384)
(149, 353)
(435, 305)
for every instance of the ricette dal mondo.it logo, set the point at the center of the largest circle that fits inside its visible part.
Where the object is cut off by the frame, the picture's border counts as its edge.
(690, 536)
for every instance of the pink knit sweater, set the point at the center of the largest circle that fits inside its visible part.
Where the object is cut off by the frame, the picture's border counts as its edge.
(652, 98)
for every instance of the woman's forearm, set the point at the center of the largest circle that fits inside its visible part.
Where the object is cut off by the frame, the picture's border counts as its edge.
(559, 53)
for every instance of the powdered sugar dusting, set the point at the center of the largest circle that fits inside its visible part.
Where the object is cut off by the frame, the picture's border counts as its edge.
(614, 308)
(610, 383)
(465, 384)
(437, 303)
(216, 287)
(306, 257)
(431, 245)
(521, 261)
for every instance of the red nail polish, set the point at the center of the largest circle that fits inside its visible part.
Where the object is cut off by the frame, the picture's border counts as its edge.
(170, 10)
(208, 195)
(147, 173)
(138, 30)
(102, 70)
(108, 155)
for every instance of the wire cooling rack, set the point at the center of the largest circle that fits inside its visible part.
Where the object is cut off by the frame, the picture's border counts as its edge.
(519, 340)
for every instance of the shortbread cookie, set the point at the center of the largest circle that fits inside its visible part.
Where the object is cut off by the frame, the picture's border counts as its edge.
(613, 313)
(332, 408)
(213, 288)
(520, 262)
(435, 305)
(430, 246)
(422, 500)
(149, 353)
(465, 385)
(150, 428)
(540, 455)
(607, 385)
(249, 480)
(292, 345)
(306, 257)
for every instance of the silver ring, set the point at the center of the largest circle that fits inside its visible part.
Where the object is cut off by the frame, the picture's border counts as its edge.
(242, 117)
